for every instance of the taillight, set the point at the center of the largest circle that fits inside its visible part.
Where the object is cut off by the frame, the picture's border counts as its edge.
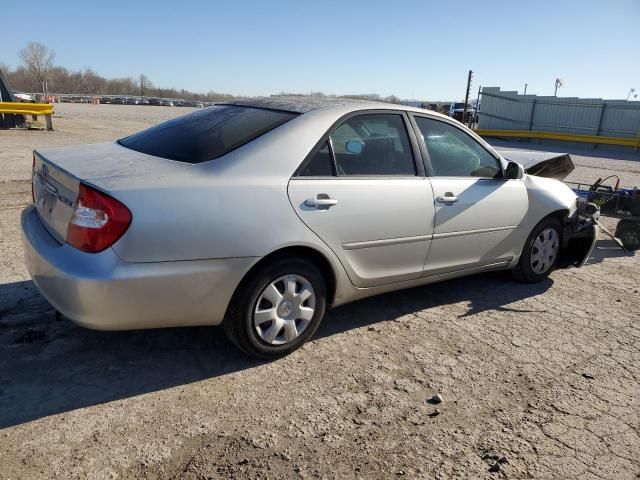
(97, 221)
(33, 172)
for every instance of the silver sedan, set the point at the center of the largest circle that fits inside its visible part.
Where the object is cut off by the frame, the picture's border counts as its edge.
(259, 214)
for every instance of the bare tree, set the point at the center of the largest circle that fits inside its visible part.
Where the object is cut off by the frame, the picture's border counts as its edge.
(92, 83)
(145, 84)
(38, 60)
(392, 99)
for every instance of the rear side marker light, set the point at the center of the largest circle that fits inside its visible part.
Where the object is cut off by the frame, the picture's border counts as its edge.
(97, 222)
(33, 173)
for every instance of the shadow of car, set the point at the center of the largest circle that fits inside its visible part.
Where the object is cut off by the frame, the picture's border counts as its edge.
(49, 365)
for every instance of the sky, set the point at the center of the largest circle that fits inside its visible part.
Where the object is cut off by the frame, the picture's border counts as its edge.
(409, 48)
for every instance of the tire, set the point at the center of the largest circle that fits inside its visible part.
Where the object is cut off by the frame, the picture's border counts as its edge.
(536, 264)
(278, 316)
(628, 231)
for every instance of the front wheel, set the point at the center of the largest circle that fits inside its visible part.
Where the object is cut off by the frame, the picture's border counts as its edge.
(540, 253)
(277, 309)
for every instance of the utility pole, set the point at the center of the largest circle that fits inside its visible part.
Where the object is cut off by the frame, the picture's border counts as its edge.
(466, 97)
(558, 84)
(473, 121)
(525, 88)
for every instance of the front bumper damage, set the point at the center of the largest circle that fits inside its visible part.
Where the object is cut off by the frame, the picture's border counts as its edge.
(580, 235)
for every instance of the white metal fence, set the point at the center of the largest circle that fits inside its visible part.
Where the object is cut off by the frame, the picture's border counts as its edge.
(584, 116)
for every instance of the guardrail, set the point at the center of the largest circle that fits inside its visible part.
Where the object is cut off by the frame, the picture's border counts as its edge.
(569, 137)
(33, 109)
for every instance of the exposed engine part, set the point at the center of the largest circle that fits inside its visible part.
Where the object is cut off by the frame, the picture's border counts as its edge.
(587, 209)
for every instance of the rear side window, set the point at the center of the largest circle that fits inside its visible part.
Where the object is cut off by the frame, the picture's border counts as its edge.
(206, 134)
(373, 144)
(320, 165)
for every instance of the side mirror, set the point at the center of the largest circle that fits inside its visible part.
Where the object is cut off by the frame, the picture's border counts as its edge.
(514, 171)
(354, 146)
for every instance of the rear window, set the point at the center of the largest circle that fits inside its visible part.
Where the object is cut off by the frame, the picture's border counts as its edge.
(206, 134)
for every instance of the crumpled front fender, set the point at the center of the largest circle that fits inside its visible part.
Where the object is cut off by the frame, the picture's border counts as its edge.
(577, 244)
(547, 196)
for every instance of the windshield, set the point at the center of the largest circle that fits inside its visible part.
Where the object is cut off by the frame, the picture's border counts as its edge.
(206, 134)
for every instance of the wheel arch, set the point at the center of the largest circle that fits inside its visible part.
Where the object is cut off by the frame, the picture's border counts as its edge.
(311, 254)
(576, 246)
(562, 215)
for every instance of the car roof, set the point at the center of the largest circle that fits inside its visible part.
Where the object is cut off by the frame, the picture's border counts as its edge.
(303, 104)
(300, 103)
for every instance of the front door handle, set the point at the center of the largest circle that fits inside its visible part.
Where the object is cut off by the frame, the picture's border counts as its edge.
(447, 198)
(321, 200)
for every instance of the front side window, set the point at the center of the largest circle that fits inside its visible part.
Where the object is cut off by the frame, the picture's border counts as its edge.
(453, 153)
(206, 134)
(373, 144)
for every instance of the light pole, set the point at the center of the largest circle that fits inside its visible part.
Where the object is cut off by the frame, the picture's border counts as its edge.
(631, 90)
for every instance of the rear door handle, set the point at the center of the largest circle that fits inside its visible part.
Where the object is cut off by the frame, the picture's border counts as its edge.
(447, 199)
(321, 200)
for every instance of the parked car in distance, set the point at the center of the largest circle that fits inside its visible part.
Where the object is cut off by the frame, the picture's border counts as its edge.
(193, 103)
(259, 214)
(456, 111)
(23, 97)
(167, 103)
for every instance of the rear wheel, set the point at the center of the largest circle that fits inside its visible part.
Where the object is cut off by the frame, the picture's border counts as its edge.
(628, 231)
(277, 309)
(540, 252)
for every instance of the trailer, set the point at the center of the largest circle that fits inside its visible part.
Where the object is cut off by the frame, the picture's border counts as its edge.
(615, 202)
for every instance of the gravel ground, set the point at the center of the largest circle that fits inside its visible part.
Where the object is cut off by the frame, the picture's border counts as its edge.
(537, 381)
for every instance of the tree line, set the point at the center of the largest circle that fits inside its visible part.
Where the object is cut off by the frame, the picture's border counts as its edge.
(39, 74)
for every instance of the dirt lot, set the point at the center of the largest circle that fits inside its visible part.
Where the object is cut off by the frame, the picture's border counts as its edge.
(538, 381)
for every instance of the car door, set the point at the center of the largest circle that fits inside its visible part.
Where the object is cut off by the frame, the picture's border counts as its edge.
(363, 193)
(478, 213)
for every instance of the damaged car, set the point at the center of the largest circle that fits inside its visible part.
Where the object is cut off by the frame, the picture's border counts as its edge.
(259, 214)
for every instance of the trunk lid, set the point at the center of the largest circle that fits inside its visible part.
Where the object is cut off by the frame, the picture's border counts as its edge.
(55, 192)
(110, 167)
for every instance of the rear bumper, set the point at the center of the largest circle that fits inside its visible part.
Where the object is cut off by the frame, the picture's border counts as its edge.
(103, 292)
